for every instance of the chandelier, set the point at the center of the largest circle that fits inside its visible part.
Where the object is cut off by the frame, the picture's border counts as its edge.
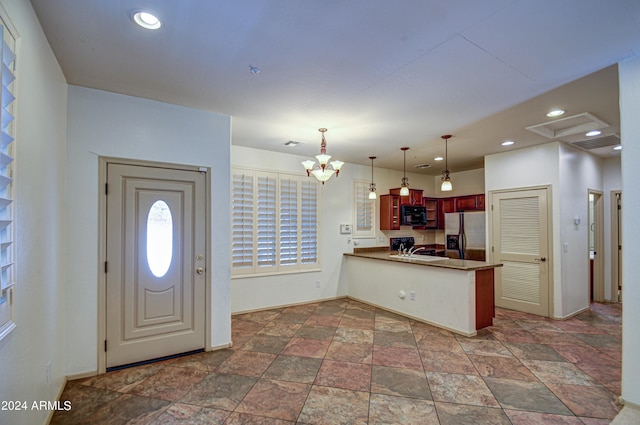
(323, 169)
(446, 181)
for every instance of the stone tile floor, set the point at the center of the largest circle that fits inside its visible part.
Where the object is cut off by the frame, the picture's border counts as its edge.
(344, 362)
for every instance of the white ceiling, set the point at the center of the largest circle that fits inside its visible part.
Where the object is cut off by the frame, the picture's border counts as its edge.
(378, 74)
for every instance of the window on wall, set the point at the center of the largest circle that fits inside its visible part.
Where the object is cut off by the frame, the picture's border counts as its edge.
(364, 213)
(274, 222)
(7, 184)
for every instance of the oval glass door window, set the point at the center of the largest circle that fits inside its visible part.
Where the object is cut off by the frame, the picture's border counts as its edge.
(159, 238)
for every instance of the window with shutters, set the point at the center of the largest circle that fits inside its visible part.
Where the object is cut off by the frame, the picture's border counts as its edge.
(7, 182)
(274, 222)
(364, 212)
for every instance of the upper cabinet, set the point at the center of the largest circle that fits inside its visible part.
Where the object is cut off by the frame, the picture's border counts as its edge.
(470, 203)
(459, 203)
(414, 198)
(389, 212)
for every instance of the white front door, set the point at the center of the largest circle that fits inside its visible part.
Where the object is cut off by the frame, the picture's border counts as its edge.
(155, 295)
(520, 242)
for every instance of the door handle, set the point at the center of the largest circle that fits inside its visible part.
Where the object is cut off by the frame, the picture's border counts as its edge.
(541, 259)
(200, 270)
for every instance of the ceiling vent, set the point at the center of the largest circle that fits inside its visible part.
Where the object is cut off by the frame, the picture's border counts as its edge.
(568, 126)
(600, 142)
(422, 166)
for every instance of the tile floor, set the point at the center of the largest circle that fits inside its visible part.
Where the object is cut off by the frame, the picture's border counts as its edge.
(344, 362)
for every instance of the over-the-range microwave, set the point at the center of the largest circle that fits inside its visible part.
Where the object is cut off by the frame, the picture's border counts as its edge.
(411, 215)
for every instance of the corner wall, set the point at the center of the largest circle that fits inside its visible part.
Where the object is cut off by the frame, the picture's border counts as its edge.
(113, 125)
(629, 77)
(570, 173)
(41, 96)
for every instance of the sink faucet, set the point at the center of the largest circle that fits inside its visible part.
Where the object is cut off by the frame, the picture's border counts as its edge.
(400, 249)
(413, 251)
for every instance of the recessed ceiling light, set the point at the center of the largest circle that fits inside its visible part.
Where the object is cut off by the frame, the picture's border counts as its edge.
(507, 143)
(593, 133)
(146, 20)
(438, 158)
(291, 143)
(617, 148)
(555, 113)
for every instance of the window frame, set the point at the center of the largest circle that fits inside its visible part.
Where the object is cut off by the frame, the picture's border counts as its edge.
(239, 221)
(360, 199)
(8, 166)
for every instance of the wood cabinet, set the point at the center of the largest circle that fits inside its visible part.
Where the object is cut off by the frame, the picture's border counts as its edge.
(459, 203)
(470, 203)
(431, 204)
(414, 198)
(389, 212)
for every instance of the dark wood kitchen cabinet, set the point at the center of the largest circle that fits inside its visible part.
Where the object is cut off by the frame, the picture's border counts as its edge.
(389, 212)
(414, 198)
(470, 203)
(431, 204)
(445, 205)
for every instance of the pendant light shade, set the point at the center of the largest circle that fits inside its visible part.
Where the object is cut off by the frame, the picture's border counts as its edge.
(372, 185)
(322, 169)
(404, 186)
(446, 185)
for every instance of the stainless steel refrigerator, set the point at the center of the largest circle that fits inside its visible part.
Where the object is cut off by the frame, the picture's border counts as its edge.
(465, 235)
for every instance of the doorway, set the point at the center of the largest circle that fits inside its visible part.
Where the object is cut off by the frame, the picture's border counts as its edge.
(616, 246)
(520, 235)
(155, 239)
(596, 246)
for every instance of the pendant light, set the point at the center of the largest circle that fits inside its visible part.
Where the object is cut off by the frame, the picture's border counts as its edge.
(446, 181)
(323, 169)
(404, 187)
(372, 185)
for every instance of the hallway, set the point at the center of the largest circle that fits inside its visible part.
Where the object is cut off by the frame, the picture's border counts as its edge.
(344, 362)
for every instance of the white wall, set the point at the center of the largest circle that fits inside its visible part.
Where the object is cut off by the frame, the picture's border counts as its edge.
(629, 77)
(107, 124)
(570, 173)
(612, 181)
(464, 183)
(579, 172)
(336, 208)
(40, 249)
(535, 166)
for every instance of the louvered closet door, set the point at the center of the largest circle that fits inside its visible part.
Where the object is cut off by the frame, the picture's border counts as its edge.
(520, 243)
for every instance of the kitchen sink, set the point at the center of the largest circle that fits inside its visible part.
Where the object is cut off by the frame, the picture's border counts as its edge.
(424, 258)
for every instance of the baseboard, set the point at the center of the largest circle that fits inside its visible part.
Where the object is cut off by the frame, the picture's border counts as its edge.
(220, 347)
(60, 391)
(235, 313)
(83, 375)
(575, 313)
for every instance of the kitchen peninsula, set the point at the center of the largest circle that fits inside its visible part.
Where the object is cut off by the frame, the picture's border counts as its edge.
(453, 294)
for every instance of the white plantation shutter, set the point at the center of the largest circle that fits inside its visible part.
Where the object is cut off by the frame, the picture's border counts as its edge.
(266, 226)
(288, 221)
(363, 211)
(275, 222)
(242, 221)
(7, 206)
(309, 222)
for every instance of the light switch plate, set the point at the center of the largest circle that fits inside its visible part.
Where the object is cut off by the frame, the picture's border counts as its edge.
(345, 229)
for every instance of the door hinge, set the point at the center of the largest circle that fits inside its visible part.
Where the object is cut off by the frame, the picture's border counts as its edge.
(491, 249)
(11, 296)
(106, 188)
(105, 266)
(491, 207)
(105, 345)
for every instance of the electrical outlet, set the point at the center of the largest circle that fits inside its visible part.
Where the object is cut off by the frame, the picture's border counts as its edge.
(317, 283)
(412, 295)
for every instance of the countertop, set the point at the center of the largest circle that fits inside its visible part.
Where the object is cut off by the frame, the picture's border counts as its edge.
(448, 263)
